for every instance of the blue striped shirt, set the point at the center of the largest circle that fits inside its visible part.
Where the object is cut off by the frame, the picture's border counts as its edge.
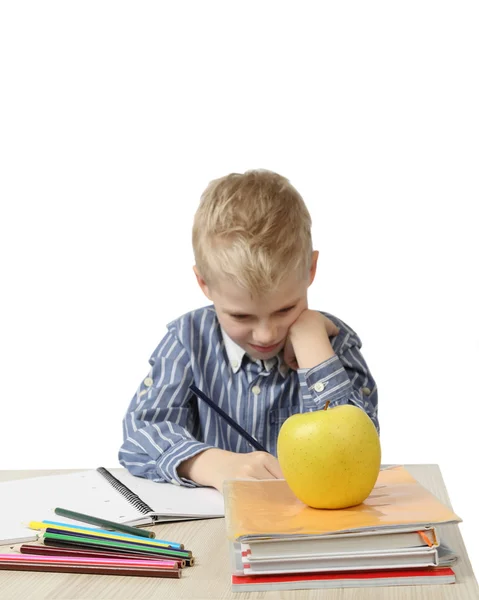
(166, 424)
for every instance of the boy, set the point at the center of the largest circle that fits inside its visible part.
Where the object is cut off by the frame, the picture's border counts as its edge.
(259, 352)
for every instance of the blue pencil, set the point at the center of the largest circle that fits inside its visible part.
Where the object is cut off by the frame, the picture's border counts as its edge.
(87, 535)
(228, 419)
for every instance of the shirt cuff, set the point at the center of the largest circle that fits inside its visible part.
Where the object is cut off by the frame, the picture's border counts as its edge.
(326, 381)
(168, 463)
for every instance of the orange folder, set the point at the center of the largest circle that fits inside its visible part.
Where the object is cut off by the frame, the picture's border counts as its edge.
(268, 508)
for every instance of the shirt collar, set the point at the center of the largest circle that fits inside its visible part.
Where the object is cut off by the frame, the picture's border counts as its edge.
(236, 354)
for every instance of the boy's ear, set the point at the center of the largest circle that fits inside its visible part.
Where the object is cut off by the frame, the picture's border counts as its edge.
(201, 283)
(314, 264)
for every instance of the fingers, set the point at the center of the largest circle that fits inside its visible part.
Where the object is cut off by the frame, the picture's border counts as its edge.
(271, 467)
(291, 361)
(259, 465)
(274, 469)
(293, 364)
(289, 355)
(331, 328)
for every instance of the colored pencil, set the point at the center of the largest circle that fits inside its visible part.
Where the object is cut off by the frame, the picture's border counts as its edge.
(109, 535)
(189, 562)
(55, 539)
(228, 419)
(102, 532)
(70, 514)
(88, 536)
(61, 551)
(88, 560)
(90, 569)
(116, 544)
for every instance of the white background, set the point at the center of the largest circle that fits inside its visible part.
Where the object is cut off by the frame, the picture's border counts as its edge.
(114, 117)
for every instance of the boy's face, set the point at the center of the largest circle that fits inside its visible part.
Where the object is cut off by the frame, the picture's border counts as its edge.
(260, 324)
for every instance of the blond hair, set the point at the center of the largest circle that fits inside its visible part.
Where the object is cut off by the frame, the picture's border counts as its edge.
(252, 228)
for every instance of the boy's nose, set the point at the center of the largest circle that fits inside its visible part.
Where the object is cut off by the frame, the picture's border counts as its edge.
(264, 336)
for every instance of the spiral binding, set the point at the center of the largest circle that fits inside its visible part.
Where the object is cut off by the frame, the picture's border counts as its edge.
(132, 498)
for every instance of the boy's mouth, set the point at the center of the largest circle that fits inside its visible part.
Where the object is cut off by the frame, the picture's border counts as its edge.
(265, 349)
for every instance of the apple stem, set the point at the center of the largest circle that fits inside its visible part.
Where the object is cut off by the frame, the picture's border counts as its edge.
(327, 404)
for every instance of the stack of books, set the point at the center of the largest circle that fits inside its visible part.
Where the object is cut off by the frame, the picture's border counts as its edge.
(277, 542)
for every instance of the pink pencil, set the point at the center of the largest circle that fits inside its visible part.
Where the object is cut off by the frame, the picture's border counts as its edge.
(164, 564)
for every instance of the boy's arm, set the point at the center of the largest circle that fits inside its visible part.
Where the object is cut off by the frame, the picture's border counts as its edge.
(332, 371)
(155, 433)
(158, 443)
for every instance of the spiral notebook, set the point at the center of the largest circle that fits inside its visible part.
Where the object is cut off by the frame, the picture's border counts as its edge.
(112, 494)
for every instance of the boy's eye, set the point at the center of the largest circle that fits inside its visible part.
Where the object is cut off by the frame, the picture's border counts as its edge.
(286, 310)
(283, 311)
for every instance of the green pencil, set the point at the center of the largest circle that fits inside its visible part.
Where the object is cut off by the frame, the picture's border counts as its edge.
(139, 548)
(63, 512)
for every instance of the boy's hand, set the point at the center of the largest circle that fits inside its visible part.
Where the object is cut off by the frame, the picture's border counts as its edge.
(312, 321)
(307, 344)
(213, 466)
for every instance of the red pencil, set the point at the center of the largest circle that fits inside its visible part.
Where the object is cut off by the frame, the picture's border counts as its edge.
(88, 560)
(53, 551)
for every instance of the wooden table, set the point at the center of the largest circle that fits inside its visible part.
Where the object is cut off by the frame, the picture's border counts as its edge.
(211, 579)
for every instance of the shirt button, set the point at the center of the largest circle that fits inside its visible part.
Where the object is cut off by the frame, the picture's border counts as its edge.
(234, 364)
(256, 390)
(366, 391)
(148, 382)
(319, 387)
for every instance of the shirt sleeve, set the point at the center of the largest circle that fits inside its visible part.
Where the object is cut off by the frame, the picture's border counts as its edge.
(157, 426)
(342, 379)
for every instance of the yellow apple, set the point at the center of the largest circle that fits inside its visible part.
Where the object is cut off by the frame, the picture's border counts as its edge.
(330, 458)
